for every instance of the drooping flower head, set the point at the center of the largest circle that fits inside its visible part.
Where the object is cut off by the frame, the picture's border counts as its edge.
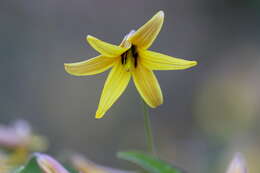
(130, 59)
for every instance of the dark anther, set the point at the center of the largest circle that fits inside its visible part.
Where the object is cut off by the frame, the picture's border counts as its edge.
(135, 61)
(123, 58)
(135, 54)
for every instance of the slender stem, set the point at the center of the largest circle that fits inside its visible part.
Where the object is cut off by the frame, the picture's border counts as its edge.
(148, 129)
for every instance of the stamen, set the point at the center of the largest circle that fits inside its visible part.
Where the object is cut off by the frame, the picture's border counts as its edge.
(135, 62)
(124, 57)
(130, 55)
(135, 55)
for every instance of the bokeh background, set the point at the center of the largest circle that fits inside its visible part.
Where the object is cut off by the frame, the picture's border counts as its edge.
(210, 111)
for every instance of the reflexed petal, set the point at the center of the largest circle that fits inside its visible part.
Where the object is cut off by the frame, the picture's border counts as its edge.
(92, 66)
(104, 48)
(148, 86)
(144, 36)
(158, 61)
(116, 83)
(125, 42)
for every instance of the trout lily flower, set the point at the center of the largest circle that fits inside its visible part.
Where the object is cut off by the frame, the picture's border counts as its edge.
(130, 59)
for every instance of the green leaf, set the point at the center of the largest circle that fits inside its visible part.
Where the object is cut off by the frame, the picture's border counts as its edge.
(148, 162)
(30, 167)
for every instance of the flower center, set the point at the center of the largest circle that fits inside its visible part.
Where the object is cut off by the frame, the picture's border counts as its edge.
(129, 59)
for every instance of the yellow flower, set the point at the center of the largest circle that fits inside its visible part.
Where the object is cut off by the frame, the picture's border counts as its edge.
(130, 58)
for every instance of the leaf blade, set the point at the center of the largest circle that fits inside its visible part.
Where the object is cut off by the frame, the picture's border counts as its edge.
(148, 162)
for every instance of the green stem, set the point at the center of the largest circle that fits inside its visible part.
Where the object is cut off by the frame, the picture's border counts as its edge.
(148, 129)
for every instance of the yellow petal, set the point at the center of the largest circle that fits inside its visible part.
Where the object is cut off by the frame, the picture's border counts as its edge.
(125, 42)
(115, 85)
(158, 61)
(148, 86)
(92, 66)
(144, 36)
(104, 48)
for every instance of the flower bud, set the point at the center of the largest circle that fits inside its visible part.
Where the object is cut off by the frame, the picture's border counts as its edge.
(49, 164)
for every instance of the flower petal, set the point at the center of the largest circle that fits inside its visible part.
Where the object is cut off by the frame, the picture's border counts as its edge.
(148, 86)
(158, 61)
(116, 83)
(125, 42)
(144, 36)
(92, 66)
(104, 48)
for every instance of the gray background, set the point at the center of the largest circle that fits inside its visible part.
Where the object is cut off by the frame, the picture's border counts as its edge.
(210, 111)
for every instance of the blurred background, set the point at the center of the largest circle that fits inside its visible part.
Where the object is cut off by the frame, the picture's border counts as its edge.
(210, 112)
